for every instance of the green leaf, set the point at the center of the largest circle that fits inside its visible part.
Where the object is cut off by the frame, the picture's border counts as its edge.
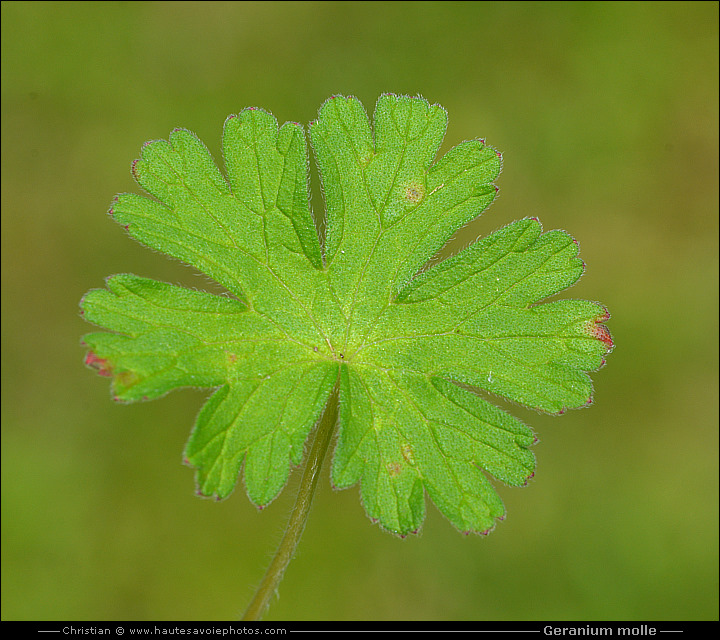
(413, 344)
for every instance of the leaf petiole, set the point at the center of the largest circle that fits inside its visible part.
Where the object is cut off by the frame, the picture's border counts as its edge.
(299, 515)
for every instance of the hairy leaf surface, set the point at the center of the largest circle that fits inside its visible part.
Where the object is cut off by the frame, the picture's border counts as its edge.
(411, 347)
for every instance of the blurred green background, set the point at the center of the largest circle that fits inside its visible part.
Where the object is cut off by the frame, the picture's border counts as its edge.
(606, 114)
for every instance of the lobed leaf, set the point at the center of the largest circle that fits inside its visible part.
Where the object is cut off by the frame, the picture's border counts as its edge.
(411, 348)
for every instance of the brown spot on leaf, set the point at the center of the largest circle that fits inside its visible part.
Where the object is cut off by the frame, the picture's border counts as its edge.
(394, 469)
(127, 379)
(414, 192)
(407, 453)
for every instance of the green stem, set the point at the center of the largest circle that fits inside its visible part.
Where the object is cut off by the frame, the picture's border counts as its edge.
(299, 514)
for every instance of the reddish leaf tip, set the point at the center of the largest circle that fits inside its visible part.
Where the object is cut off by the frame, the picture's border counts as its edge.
(599, 331)
(103, 367)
